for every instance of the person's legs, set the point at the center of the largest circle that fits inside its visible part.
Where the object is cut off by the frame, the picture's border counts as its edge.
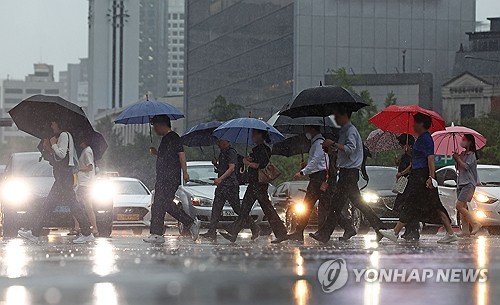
(83, 195)
(217, 206)
(273, 218)
(313, 193)
(246, 206)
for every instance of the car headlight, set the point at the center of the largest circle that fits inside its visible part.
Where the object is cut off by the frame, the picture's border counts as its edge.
(370, 197)
(15, 191)
(201, 201)
(480, 215)
(103, 191)
(299, 208)
(483, 198)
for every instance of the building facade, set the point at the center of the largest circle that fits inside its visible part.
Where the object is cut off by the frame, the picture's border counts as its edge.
(258, 54)
(74, 83)
(14, 91)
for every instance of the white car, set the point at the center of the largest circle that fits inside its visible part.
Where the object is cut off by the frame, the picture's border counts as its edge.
(485, 203)
(196, 196)
(131, 204)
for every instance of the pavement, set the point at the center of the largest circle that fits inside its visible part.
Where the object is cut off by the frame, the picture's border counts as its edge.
(124, 270)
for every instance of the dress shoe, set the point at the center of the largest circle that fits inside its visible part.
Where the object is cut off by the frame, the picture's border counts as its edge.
(231, 238)
(210, 235)
(297, 236)
(279, 239)
(317, 237)
(347, 235)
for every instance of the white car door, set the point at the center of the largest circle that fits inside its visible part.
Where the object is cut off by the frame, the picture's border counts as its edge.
(447, 180)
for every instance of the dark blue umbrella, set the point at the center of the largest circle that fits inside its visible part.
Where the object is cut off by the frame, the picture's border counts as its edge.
(143, 112)
(239, 131)
(201, 135)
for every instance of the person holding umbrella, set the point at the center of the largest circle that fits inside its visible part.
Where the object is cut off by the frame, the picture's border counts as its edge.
(423, 201)
(170, 160)
(60, 149)
(349, 163)
(466, 165)
(228, 189)
(257, 191)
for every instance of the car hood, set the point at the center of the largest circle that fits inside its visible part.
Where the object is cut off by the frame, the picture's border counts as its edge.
(492, 191)
(207, 191)
(131, 200)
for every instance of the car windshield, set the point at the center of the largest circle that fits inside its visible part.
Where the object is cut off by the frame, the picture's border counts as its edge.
(201, 175)
(380, 179)
(29, 166)
(130, 188)
(489, 176)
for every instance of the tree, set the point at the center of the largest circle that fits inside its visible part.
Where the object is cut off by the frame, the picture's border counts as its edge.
(390, 99)
(221, 110)
(489, 127)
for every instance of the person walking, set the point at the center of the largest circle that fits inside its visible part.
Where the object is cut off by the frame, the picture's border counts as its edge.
(257, 191)
(466, 165)
(315, 169)
(406, 141)
(349, 163)
(227, 190)
(61, 150)
(422, 203)
(170, 160)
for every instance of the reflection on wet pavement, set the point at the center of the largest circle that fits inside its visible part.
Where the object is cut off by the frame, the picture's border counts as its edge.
(124, 270)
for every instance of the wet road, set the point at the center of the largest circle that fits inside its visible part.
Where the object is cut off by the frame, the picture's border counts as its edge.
(124, 270)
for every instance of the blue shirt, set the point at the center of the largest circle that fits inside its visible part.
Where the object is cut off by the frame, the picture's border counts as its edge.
(352, 154)
(422, 149)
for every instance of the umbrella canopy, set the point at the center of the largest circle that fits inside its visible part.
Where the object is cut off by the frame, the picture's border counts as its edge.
(322, 101)
(399, 119)
(143, 112)
(240, 131)
(295, 145)
(201, 135)
(447, 141)
(380, 141)
(288, 125)
(34, 115)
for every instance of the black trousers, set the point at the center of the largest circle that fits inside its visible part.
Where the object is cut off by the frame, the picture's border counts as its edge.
(164, 203)
(347, 190)
(313, 194)
(258, 192)
(62, 193)
(231, 194)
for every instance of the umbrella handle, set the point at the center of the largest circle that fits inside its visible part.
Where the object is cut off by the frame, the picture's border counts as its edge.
(150, 134)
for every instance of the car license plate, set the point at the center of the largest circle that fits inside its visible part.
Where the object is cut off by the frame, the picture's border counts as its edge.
(228, 213)
(62, 209)
(125, 217)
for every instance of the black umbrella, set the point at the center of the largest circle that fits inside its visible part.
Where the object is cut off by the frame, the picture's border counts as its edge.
(295, 145)
(322, 101)
(201, 135)
(288, 125)
(34, 115)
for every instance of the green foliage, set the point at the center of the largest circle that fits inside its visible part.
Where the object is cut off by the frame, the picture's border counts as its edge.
(221, 110)
(288, 167)
(489, 127)
(390, 99)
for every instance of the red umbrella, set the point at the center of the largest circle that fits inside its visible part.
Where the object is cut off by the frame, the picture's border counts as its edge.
(399, 119)
(446, 142)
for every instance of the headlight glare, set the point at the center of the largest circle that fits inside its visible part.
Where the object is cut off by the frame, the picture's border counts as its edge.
(371, 197)
(483, 198)
(15, 191)
(201, 201)
(103, 190)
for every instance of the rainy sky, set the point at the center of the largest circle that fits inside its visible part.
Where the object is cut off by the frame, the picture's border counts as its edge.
(55, 32)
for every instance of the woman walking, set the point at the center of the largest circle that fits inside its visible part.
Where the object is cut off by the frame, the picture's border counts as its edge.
(466, 165)
(423, 203)
(257, 191)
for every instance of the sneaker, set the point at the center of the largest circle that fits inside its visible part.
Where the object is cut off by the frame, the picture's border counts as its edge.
(463, 234)
(154, 239)
(28, 235)
(195, 229)
(475, 228)
(448, 238)
(82, 239)
(389, 234)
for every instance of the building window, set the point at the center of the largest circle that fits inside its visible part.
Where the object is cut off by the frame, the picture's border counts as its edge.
(33, 91)
(51, 91)
(11, 101)
(467, 111)
(13, 91)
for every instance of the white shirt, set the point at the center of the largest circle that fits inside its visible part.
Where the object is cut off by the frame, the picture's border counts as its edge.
(86, 159)
(316, 161)
(61, 147)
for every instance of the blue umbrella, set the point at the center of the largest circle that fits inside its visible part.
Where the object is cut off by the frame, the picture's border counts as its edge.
(200, 135)
(239, 131)
(143, 112)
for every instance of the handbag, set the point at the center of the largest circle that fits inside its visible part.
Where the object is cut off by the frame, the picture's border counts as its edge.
(400, 185)
(268, 173)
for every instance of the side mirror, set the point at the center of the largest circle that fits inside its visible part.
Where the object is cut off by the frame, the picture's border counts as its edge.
(283, 195)
(450, 183)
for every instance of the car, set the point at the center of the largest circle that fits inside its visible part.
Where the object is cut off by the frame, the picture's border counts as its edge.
(196, 196)
(289, 196)
(131, 204)
(485, 203)
(27, 181)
